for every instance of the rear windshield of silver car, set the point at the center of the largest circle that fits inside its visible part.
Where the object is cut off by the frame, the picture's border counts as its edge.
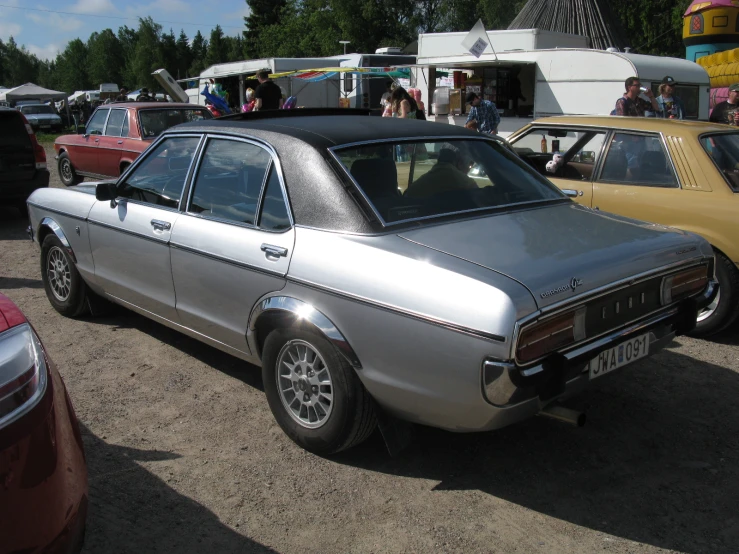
(155, 122)
(408, 180)
(724, 151)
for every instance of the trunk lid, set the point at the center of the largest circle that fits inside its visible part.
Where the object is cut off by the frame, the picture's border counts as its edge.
(559, 251)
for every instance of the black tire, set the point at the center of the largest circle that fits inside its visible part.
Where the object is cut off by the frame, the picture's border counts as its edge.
(67, 174)
(727, 309)
(57, 266)
(351, 418)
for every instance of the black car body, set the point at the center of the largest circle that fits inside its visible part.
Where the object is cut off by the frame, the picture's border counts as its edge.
(22, 159)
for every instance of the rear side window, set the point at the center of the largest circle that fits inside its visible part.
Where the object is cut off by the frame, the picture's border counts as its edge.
(638, 160)
(115, 123)
(229, 180)
(724, 151)
(13, 130)
(274, 216)
(97, 123)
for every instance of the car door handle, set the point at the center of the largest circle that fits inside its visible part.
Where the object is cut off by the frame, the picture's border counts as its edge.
(120, 142)
(160, 225)
(572, 193)
(274, 251)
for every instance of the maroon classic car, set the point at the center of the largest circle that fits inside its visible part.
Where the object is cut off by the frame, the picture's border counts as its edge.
(43, 476)
(115, 136)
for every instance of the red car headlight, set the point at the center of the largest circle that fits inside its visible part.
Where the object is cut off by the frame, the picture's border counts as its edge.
(23, 373)
(551, 334)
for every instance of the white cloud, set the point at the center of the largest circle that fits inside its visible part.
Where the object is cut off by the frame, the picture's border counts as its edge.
(48, 52)
(101, 7)
(9, 29)
(57, 21)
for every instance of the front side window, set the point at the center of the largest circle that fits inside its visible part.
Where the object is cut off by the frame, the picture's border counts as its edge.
(412, 180)
(638, 160)
(97, 123)
(154, 122)
(579, 150)
(724, 151)
(229, 180)
(115, 123)
(160, 178)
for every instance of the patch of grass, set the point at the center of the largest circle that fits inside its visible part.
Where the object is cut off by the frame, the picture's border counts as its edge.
(48, 138)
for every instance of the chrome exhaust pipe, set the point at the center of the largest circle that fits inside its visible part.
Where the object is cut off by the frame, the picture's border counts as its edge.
(560, 413)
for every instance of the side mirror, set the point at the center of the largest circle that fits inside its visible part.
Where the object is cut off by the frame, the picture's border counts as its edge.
(107, 191)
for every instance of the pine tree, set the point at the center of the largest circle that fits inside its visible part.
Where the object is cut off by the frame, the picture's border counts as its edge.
(263, 14)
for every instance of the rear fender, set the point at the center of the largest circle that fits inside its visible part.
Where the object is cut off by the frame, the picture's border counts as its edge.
(284, 311)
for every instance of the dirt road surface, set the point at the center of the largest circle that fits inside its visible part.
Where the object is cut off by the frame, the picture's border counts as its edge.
(184, 455)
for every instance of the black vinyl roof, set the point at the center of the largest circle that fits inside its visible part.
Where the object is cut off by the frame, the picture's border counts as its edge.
(320, 193)
(331, 130)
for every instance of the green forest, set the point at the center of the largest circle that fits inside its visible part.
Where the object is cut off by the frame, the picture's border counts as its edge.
(300, 28)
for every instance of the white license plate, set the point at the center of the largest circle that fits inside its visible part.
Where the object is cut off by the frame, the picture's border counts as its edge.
(619, 356)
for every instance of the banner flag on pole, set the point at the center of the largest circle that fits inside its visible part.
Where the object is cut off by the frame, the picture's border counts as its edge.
(477, 40)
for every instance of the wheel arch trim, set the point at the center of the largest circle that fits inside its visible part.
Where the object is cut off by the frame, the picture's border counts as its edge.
(298, 311)
(54, 227)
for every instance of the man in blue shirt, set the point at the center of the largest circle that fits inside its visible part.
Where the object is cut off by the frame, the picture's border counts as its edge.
(485, 113)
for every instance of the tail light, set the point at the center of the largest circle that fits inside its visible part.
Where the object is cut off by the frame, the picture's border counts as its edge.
(23, 373)
(39, 153)
(551, 334)
(683, 284)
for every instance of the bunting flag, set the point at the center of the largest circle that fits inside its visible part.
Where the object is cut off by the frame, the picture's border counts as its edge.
(322, 73)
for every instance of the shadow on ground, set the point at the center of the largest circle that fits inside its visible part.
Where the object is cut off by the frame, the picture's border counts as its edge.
(656, 464)
(132, 510)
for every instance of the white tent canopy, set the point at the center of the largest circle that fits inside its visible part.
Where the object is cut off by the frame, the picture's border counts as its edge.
(29, 91)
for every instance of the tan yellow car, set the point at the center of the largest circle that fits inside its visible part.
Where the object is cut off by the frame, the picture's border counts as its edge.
(677, 173)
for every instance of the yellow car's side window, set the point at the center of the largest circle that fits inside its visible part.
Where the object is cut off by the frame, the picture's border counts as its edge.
(638, 160)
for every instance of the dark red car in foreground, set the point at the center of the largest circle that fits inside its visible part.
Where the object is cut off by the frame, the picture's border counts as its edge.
(115, 136)
(43, 476)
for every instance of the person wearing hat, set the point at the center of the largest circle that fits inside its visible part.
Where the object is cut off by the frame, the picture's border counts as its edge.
(143, 95)
(484, 113)
(670, 106)
(122, 96)
(728, 111)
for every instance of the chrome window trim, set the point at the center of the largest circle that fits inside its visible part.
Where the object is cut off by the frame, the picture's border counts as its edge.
(577, 301)
(225, 260)
(397, 310)
(384, 223)
(275, 162)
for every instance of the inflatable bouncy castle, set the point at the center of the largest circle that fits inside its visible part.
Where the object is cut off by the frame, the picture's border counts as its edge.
(710, 26)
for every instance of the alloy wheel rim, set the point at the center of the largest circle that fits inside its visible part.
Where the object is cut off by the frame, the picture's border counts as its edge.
(60, 276)
(66, 170)
(304, 384)
(709, 310)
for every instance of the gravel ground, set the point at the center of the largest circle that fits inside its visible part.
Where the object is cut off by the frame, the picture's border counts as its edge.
(184, 455)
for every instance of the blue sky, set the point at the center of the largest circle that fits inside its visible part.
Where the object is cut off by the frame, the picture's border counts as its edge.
(45, 33)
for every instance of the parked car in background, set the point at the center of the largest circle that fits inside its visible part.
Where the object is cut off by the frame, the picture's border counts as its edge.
(22, 160)
(43, 476)
(677, 173)
(41, 117)
(115, 135)
(365, 267)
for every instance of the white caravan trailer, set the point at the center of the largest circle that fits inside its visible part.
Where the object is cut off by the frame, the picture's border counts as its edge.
(321, 94)
(557, 72)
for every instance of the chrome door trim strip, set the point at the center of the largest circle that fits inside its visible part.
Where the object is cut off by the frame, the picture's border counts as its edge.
(66, 214)
(225, 260)
(397, 310)
(127, 232)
